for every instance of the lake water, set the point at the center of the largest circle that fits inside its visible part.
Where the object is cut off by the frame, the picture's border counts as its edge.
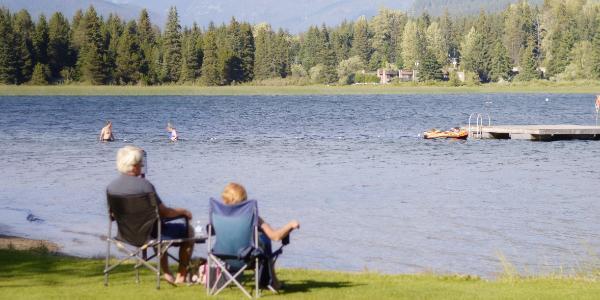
(368, 191)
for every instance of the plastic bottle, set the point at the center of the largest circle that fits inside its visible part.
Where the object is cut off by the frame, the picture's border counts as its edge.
(198, 228)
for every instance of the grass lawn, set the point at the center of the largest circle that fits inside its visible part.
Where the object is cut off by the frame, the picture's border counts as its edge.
(39, 275)
(586, 87)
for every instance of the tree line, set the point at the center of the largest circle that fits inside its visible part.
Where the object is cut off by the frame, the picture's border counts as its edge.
(559, 40)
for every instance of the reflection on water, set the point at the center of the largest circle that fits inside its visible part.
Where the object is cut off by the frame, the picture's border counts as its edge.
(368, 191)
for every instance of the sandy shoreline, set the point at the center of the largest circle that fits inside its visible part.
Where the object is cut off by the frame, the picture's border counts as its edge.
(19, 243)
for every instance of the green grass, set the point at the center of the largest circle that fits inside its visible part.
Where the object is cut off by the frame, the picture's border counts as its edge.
(587, 87)
(40, 275)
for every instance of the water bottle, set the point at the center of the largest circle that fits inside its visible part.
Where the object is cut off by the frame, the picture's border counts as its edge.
(198, 228)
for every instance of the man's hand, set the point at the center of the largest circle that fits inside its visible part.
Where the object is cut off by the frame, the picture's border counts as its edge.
(187, 214)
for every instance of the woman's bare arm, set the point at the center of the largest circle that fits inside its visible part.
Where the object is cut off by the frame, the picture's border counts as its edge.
(278, 234)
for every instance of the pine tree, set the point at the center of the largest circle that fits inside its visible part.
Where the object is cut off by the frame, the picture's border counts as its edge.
(477, 51)
(58, 44)
(436, 43)
(112, 31)
(361, 44)
(236, 44)
(500, 68)
(281, 53)
(192, 55)
(561, 41)
(264, 66)
(411, 51)
(147, 38)
(328, 58)
(448, 35)
(24, 29)
(520, 25)
(341, 40)
(91, 55)
(247, 51)
(129, 57)
(310, 47)
(171, 68)
(429, 67)
(387, 28)
(528, 70)
(210, 71)
(40, 40)
(8, 58)
(144, 26)
(40, 75)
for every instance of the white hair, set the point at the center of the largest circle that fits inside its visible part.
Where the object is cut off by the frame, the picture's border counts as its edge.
(128, 157)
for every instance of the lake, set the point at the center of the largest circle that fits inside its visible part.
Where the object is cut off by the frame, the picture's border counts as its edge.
(369, 192)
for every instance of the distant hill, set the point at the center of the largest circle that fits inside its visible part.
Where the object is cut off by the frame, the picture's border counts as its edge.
(461, 7)
(69, 7)
(294, 15)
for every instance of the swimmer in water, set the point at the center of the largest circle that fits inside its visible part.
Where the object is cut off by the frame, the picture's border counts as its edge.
(106, 134)
(173, 132)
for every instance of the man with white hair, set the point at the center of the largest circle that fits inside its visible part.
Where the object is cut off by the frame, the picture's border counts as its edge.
(129, 182)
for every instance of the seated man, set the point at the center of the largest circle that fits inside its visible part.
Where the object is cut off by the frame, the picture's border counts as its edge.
(129, 182)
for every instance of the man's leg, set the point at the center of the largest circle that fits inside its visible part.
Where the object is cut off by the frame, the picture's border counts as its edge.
(185, 253)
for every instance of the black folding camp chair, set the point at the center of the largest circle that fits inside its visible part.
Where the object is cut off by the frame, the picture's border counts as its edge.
(139, 228)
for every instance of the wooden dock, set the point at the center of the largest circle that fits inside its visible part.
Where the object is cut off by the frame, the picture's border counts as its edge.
(538, 132)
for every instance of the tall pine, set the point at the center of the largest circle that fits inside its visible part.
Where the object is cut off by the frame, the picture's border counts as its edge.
(40, 40)
(91, 55)
(361, 44)
(24, 30)
(8, 57)
(500, 68)
(328, 58)
(211, 74)
(59, 52)
(129, 58)
(171, 68)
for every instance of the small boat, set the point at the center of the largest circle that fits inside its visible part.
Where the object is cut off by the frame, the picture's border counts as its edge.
(450, 134)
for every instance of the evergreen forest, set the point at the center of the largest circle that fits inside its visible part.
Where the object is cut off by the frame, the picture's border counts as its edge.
(558, 40)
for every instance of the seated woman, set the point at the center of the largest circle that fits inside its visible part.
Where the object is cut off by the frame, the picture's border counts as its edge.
(235, 193)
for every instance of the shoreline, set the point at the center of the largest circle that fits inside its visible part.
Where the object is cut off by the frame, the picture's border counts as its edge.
(273, 90)
(26, 244)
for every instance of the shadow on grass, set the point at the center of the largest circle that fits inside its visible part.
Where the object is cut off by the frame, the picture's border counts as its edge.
(52, 268)
(305, 286)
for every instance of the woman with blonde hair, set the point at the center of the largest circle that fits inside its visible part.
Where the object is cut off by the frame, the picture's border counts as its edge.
(235, 193)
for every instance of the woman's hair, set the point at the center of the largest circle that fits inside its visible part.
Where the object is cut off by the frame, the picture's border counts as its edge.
(128, 157)
(233, 193)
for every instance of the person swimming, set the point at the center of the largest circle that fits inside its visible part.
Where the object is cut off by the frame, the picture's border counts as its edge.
(173, 137)
(106, 134)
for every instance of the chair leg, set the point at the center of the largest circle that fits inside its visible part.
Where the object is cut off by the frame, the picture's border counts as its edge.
(256, 279)
(107, 261)
(158, 257)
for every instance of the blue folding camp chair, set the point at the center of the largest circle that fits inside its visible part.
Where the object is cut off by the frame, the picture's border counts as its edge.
(235, 247)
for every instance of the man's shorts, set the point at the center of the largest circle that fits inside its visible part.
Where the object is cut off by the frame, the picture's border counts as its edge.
(173, 231)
